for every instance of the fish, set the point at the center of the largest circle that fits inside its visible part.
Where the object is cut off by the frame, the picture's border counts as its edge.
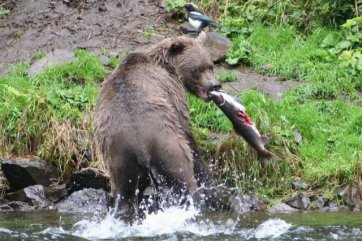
(242, 124)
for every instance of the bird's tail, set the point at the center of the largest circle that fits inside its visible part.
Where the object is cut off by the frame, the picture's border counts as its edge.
(227, 28)
(215, 24)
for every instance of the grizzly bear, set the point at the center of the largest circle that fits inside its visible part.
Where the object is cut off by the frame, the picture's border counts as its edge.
(142, 124)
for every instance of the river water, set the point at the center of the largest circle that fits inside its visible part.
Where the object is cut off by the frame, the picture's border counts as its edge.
(180, 224)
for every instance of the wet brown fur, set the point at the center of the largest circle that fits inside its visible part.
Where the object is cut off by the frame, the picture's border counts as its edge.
(142, 125)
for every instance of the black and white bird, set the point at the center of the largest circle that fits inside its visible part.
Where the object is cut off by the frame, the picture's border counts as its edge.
(198, 20)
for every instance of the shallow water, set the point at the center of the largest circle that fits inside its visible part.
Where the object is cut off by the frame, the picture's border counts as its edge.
(180, 224)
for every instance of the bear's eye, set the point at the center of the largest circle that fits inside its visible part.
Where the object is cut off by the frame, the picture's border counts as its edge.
(197, 70)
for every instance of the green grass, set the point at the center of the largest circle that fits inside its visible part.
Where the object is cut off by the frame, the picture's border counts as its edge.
(325, 110)
(226, 76)
(292, 55)
(39, 54)
(49, 114)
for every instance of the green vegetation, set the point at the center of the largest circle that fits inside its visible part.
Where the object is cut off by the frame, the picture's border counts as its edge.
(49, 114)
(3, 12)
(226, 76)
(315, 129)
(149, 32)
(39, 54)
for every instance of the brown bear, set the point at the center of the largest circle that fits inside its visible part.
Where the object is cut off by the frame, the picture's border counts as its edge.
(142, 124)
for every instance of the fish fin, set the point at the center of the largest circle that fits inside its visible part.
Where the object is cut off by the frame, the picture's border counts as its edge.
(266, 157)
(265, 139)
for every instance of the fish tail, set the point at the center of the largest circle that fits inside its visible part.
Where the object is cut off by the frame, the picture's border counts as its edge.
(266, 156)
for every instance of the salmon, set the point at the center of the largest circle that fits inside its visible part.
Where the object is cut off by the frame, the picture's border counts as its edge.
(242, 124)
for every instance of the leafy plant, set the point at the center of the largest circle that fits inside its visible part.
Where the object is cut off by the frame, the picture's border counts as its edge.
(226, 76)
(240, 51)
(174, 4)
(347, 45)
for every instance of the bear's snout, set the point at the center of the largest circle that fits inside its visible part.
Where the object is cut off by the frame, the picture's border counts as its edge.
(215, 87)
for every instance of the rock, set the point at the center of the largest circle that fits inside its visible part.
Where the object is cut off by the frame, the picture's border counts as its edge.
(27, 172)
(187, 28)
(87, 178)
(282, 208)
(55, 57)
(246, 203)
(218, 46)
(321, 202)
(38, 196)
(299, 201)
(55, 193)
(299, 185)
(33, 195)
(86, 200)
(213, 198)
(105, 60)
(351, 194)
(16, 206)
(332, 206)
(102, 8)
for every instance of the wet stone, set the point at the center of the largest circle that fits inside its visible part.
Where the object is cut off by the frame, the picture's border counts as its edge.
(27, 172)
(33, 195)
(246, 203)
(86, 200)
(351, 194)
(282, 208)
(16, 206)
(321, 202)
(87, 178)
(332, 206)
(55, 193)
(213, 198)
(299, 201)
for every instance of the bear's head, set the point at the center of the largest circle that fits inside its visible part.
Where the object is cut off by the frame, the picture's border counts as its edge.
(192, 63)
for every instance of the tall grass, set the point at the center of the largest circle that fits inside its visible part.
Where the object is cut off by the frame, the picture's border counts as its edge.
(49, 114)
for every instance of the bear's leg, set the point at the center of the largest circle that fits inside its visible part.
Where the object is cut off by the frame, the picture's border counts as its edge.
(124, 174)
(201, 170)
(174, 160)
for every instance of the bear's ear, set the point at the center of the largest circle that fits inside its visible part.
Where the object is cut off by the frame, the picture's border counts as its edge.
(177, 47)
(202, 38)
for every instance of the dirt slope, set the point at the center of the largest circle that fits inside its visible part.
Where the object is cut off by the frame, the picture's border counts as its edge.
(96, 25)
(116, 25)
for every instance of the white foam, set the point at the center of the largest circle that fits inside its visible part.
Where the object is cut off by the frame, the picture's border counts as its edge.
(170, 221)
(5, 230)
(272, 228)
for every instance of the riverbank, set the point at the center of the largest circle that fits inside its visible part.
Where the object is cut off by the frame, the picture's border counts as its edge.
(315, 125)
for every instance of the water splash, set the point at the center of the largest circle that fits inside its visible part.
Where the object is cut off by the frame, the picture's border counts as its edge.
(272, 228)
(169, 221)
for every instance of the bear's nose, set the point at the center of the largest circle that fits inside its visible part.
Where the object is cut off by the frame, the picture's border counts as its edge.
(215, 87)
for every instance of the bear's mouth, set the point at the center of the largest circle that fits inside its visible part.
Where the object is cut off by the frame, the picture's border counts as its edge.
(203, 94)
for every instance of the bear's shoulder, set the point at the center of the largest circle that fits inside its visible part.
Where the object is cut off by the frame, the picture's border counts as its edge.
(135, 59)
